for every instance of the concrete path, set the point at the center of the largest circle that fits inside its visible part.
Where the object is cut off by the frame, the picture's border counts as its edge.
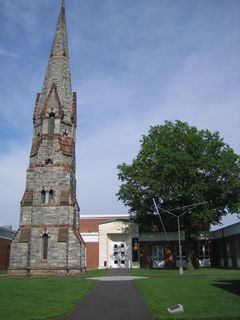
(112, 300)
(116, 278)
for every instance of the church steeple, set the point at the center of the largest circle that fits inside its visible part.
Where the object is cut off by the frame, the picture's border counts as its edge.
(48, 239)
(58, 71)
(59, 45)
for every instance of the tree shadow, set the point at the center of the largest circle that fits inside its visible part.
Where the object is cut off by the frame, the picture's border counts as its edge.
(230, 285)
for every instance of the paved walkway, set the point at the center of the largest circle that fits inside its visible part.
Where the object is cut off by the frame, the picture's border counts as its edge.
(112, 300)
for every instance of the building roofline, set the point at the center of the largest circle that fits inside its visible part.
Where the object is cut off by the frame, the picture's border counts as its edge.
(226, 227)
(113, 220)
(7, 229)
(99, 216)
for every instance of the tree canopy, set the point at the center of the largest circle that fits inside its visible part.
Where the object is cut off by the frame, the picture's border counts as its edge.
(179, 165)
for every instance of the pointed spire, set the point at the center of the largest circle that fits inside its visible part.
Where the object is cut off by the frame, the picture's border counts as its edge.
(58, 69)
(63, 4)
(59, 46)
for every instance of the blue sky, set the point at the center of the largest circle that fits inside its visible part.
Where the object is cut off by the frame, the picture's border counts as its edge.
(134, 63)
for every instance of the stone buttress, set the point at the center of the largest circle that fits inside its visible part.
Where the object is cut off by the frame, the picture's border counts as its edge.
(48, 240)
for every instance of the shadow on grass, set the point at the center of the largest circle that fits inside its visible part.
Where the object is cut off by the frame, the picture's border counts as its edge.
(207, 318)
(230, 285)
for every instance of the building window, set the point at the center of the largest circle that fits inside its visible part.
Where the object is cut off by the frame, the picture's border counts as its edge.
(178, 252)
(157, 257)
(43, 196)
(204, 252)
(237, 248)
(48, 161)
(157, 252)
(47, 197)
(51, 123)
(229, 250)
(51, 196)
(45, 246)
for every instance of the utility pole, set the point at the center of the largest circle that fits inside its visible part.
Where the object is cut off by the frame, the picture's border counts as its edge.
(188, 209)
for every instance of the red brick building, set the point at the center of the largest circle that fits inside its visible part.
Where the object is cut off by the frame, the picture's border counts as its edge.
(6, 236)
(109, 241)
(115, 241)
(89, 230)
(225, 250)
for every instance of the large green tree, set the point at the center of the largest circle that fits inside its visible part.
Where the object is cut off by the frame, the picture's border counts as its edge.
(179, 165)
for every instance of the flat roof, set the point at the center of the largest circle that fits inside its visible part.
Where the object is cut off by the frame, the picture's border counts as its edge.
(99, 216)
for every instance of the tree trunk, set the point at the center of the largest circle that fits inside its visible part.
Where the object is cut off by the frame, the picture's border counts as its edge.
(189, 245)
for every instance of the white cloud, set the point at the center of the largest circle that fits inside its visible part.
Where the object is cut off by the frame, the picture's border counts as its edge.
(23, 14)
(4, 52)
(132, 67)
(97, 158)
(13, 166)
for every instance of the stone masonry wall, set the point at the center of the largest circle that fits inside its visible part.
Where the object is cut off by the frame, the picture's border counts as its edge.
(48, 240)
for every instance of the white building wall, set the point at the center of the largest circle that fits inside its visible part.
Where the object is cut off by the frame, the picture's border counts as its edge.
(116, 233)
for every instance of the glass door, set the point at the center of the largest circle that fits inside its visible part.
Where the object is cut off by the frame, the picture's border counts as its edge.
(157, 257)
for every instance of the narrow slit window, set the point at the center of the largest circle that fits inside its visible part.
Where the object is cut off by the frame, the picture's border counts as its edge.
(51, 123)
(51, 196)
(43, 196)
(45, 246)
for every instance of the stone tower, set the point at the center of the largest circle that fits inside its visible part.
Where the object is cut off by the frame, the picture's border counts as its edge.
(48, 240)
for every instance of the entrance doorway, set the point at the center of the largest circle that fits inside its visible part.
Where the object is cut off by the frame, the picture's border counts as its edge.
(119, 255)
(157, 257)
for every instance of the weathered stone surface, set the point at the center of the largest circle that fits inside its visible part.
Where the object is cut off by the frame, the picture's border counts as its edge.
(25, 235)
(27, 199)
(52, 104)
(58, 69)
(48, 240)
(66, 146)
(35, 145)
(63, 234)
(65, 197)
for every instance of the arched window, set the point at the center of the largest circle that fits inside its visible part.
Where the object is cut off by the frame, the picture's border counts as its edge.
(51, 123)
(51, 196)
(43, 196)
(45, 246)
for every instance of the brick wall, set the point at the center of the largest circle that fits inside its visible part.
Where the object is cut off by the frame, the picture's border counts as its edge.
(92, 255)
(5, 245)
(91, 224)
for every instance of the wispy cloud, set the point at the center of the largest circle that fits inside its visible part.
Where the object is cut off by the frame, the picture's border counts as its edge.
(133, 65)
(24, 14)
(13, 165)
(7, 53)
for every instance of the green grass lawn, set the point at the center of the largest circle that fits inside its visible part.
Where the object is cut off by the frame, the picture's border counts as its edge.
(204, 293)
(94, 273)
(38, 298)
